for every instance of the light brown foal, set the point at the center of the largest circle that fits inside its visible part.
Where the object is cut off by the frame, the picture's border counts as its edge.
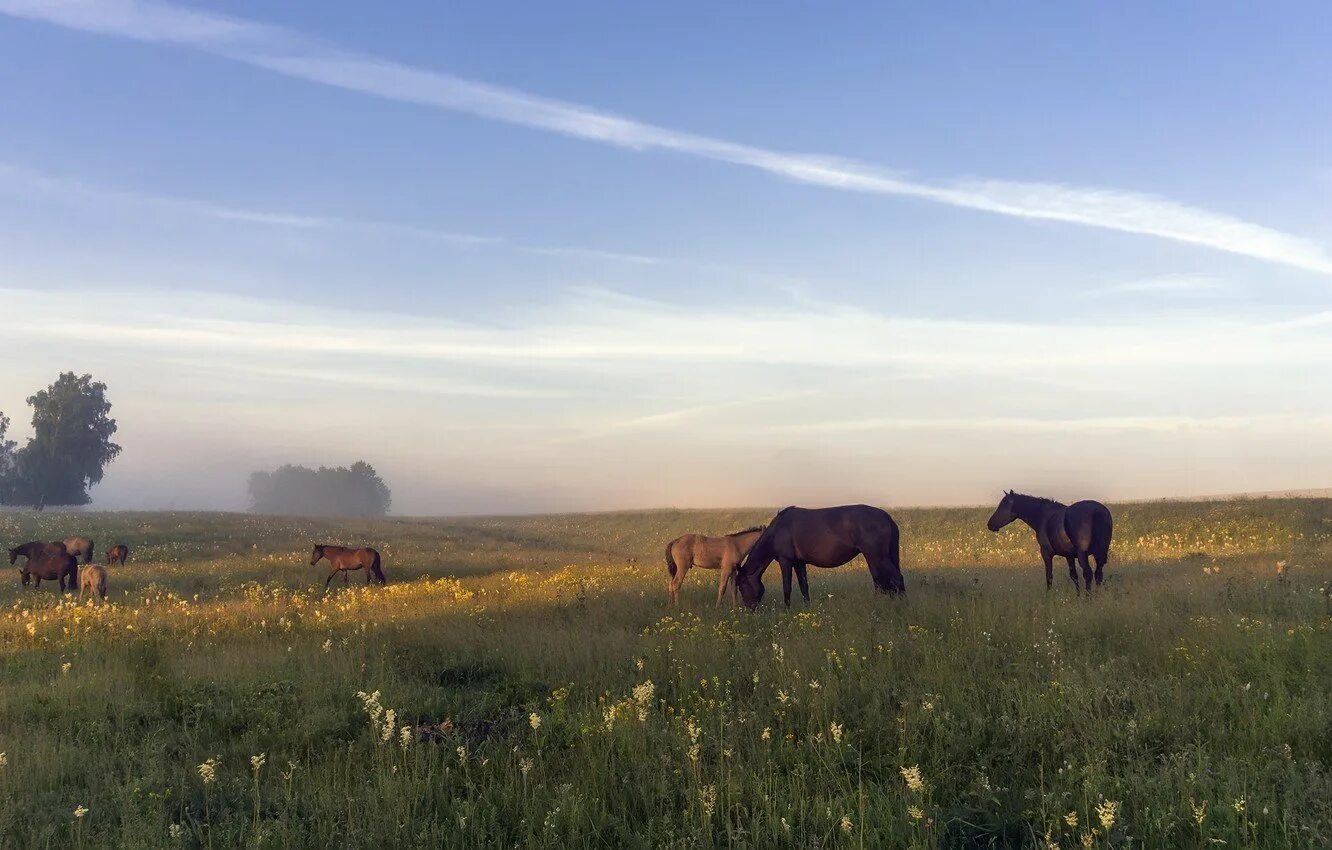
(710, 553)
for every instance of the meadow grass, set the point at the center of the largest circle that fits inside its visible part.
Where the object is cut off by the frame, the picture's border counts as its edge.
(520, 683)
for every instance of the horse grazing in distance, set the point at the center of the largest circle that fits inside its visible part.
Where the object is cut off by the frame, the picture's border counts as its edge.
(344, 560)
(80, 547)
(92, 579)
(35, 550)
(117, 554)
(1074, 532)
(824, 537)
(710, 553)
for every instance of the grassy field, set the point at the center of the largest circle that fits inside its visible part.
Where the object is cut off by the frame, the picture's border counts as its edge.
(520, 683)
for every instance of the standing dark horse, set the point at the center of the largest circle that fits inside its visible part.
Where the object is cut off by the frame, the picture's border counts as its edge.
(344, 560)
(47, 561)
(710, 553)
(824, 537)
(1073, 532)
(80, 547)
(117, 554)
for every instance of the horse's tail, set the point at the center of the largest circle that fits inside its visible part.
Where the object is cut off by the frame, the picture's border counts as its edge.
(1103, 527)
(670, 559)
(375, 568)
(895, 553)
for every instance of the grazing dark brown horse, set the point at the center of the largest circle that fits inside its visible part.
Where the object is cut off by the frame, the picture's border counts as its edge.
(47, 561)
(824, 537)
(35, 550)
(117, 554)
(710, 553)
(80, 547)
(344, 560)
(1074, 532)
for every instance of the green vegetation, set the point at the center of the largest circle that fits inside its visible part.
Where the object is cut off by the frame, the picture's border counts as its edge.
(550, 699)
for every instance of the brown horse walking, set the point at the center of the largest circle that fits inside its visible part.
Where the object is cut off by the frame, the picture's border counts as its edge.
(47, 561)
(117, 554)
(824, 537)
(80, 547)
(344, 560)
(1073, 532)
(710, 553)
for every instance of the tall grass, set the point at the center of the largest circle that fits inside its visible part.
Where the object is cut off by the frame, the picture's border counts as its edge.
(541, 694)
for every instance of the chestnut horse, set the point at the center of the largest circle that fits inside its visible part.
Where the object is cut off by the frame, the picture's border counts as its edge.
(710, 553)
(824, 537)
(80, 547)
(47, 561)
(117, 554)
(344, 560)
(36, 550)
(1072, 532)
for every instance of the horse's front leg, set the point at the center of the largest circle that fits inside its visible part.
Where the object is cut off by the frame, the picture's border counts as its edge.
(329, 579)
(726, 571)
(788, 567)
(1048, 557)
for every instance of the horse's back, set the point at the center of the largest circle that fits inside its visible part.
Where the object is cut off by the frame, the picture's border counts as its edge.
(823, 535)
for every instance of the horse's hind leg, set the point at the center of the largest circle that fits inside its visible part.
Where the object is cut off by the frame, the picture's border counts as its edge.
(675, 582)
(802, 576)
(1100, 558)
(1086, 570)
(1073, 573)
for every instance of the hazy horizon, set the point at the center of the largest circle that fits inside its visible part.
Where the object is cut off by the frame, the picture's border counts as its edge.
(693, 256)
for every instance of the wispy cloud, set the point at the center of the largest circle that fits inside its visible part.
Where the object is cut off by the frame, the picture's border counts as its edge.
(291, 54)
(1175, 284)
(593, 332)
(32, 180)
(1037, 425)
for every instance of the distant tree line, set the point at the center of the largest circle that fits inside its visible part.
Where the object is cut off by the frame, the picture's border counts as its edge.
(355, 490)
(68, 451)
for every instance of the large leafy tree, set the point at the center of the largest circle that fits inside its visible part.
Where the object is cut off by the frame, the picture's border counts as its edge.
(327, 491)
(70, 447)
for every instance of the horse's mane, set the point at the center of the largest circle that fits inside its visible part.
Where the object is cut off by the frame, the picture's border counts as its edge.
(749, 530)
(1036, 499)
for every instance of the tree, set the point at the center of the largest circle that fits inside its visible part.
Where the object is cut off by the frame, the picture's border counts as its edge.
(338, 491)
(6, 451)
(70, 447)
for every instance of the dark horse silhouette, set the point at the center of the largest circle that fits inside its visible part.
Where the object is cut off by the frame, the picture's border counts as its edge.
(1074, 532)
(344, 560)
(824, 537)
(117, 554)
(47, 561)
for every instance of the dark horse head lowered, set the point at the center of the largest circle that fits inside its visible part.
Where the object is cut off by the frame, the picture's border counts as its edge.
(1074, 532)
(824, 537)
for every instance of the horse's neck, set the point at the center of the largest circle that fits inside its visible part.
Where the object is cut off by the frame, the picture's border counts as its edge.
(1035, 512)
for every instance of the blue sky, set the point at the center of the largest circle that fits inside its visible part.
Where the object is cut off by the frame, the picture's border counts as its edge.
(597, 255)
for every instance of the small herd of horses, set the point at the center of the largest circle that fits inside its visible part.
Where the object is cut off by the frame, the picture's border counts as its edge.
(797, 538)
(59, 561)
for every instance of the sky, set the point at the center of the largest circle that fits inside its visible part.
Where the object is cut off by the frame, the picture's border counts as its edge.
(595, 255)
